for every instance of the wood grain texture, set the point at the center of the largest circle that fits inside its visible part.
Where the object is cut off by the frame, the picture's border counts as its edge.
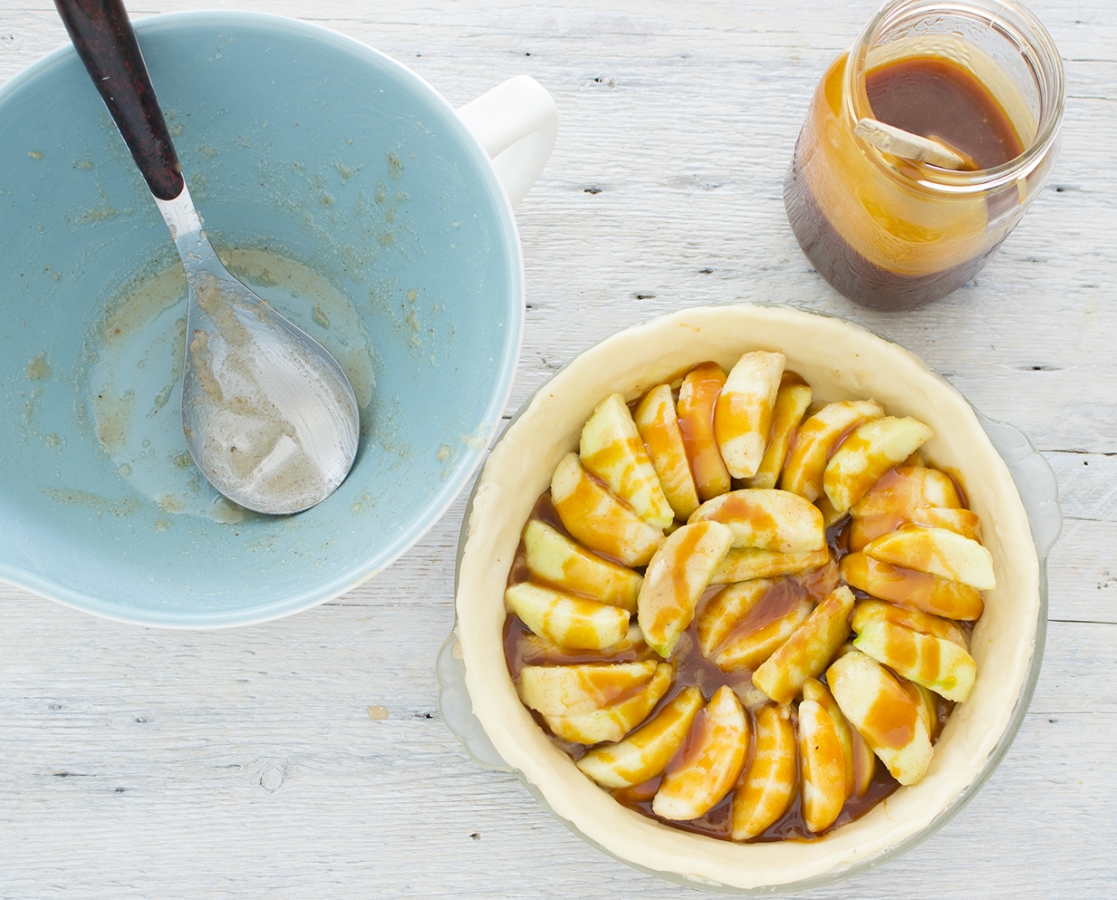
(142, 763)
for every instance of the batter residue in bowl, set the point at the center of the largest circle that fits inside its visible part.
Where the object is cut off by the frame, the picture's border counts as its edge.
(136, 353)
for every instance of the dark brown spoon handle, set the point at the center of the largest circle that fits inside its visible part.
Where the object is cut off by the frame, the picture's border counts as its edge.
(107, 46)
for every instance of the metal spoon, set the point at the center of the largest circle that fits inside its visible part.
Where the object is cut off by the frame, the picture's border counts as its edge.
(269, 416)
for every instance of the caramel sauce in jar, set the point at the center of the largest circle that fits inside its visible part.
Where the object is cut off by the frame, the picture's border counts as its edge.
(936, 98)
(892, 234)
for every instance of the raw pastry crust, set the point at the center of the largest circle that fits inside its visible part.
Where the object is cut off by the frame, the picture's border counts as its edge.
(840, 361)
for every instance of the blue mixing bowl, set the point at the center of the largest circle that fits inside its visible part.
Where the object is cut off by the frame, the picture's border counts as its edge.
(346, 192)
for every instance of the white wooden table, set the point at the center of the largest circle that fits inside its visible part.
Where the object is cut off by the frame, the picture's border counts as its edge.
(144, 763)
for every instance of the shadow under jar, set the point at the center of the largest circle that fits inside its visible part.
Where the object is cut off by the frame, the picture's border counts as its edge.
(892, 234)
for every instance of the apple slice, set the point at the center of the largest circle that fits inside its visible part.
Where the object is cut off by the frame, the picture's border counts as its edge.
(925, 704)
(572, 622)
(751, 697)
(918, 458)
(613, 722)
(830, 515)
(874, 447)
(553, 557)
(937, 552)
(961, 521)
(815, 690)
(697, 398)
(822, 581)
(805, 654)
(611, 448)
(710, 762)
(869, 611)
(572, 690)
(658, 424)
(822, 764)
(907, 488)
(883, 713)
(645, 753)
(817, 438)
(675, 579)
(771, 782)
(929, 593)
(743, 413)
(724, 611)
(791, 405)
(747, 563)
(767, 519)
(938, 664)
(750, 648)
(534, 650)
(864, 763)
(861, 531)
(597, 519)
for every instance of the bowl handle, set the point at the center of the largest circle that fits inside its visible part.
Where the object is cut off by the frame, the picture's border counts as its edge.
(515, 123)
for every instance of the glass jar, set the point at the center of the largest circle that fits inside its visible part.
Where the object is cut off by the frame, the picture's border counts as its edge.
(892, 234)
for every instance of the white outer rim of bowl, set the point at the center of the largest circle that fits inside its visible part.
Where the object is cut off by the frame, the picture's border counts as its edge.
(451, 489)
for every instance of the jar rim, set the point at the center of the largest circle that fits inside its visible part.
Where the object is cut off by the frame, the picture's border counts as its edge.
(1010, 18)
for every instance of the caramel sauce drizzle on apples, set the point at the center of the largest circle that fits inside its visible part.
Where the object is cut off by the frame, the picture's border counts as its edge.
(908, 548)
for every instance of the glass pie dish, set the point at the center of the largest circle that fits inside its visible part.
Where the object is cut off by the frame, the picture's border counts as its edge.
(1008, 483)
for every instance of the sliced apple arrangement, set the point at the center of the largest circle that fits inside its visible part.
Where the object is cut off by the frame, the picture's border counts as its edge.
(803, 585)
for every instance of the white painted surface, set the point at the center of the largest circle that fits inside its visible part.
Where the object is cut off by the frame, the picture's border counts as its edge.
(140, 763)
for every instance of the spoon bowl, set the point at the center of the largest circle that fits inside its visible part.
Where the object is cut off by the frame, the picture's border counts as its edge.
(269, 416)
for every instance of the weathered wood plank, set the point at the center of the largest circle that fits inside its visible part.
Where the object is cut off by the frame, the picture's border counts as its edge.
(127, 745)
(140, 763)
